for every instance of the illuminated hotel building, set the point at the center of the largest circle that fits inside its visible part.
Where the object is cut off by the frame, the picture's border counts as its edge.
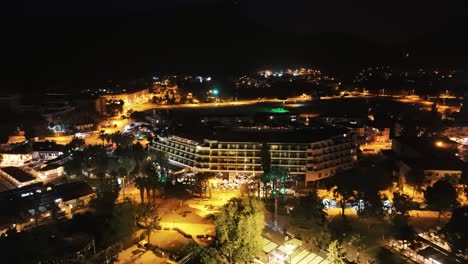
(308, 154)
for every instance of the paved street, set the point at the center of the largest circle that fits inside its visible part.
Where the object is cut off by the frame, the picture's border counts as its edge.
(135, 255)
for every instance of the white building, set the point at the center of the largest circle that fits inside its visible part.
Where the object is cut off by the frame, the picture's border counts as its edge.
(307, 154)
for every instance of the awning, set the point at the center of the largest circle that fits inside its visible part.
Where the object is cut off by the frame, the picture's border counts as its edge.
(432, 254)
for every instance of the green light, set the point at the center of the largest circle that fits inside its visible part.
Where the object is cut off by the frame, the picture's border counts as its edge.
(279, 110)
(283, 190)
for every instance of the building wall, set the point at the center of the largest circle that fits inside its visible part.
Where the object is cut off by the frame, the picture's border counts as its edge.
(101, 100)
(49, 174)
(432, 176)
(14, 160)
(47, 155)
(404, 150)
(79, 202)
(313, 161)
(329, 156)
(456, 132)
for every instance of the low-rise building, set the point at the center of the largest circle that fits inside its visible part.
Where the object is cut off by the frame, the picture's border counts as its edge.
(75, 194)
(431, 169)
(15, 155)
(102, 100)
(430, 158)
(50, 171)
(46, 150)
(17, 177)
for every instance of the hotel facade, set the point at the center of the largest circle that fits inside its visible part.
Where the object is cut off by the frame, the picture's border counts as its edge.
(308, 155)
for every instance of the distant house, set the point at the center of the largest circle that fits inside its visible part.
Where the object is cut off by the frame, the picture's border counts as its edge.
(434, 158)
(46, 150)
(432, 169)
(76, 194)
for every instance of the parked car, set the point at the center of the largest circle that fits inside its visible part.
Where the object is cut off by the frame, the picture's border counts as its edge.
(143, 244)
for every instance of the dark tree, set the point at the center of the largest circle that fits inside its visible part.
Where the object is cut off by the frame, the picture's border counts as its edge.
(343, 187)
(316, 240)
(140, 183)
(441, 196)
(139, 153)
(401, 202)
(201, 183)
(137, 116)
(415, 178)
(456, 231)
(266, 167)
(148, 214)
(266, 158)
(401, 230)
(309, 211)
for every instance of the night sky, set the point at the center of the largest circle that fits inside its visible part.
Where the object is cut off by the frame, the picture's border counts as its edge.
(221, 37)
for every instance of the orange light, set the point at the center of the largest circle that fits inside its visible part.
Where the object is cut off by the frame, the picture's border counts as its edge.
(439, 144)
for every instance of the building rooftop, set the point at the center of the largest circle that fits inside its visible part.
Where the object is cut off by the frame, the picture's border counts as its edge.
(429, 145)
(434, 163)
(47, 146)
(19, 174)
(17, 149)
(50, 167)
(279, 135)
(291, 135)
(73, 190)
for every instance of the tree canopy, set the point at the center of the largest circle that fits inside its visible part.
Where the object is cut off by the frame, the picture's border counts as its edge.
(239, 226)
(401, 202)
(441, 196)
(308, 211)
(456, 231)
(336, 253)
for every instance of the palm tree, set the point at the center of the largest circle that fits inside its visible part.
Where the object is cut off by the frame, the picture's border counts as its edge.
(149, 213)
(102, 137)
(140, 183)
(127, 164)
(201, 181)
(154, 184)
(276, 175)
(264, 179)
(108, 138)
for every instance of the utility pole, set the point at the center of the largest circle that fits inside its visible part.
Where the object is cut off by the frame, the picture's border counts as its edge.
(275, 193)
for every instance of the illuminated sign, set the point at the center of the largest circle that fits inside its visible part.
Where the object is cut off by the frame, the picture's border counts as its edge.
(279, 110)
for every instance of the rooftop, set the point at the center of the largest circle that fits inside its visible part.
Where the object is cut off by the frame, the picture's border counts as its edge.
(19, 174)
(17, 149)
(292, 135)
(50, 167)
(73, 190)
(47, 146)
(433, 163)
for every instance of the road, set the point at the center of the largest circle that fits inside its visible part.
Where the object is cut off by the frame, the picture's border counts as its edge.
(118, 124)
